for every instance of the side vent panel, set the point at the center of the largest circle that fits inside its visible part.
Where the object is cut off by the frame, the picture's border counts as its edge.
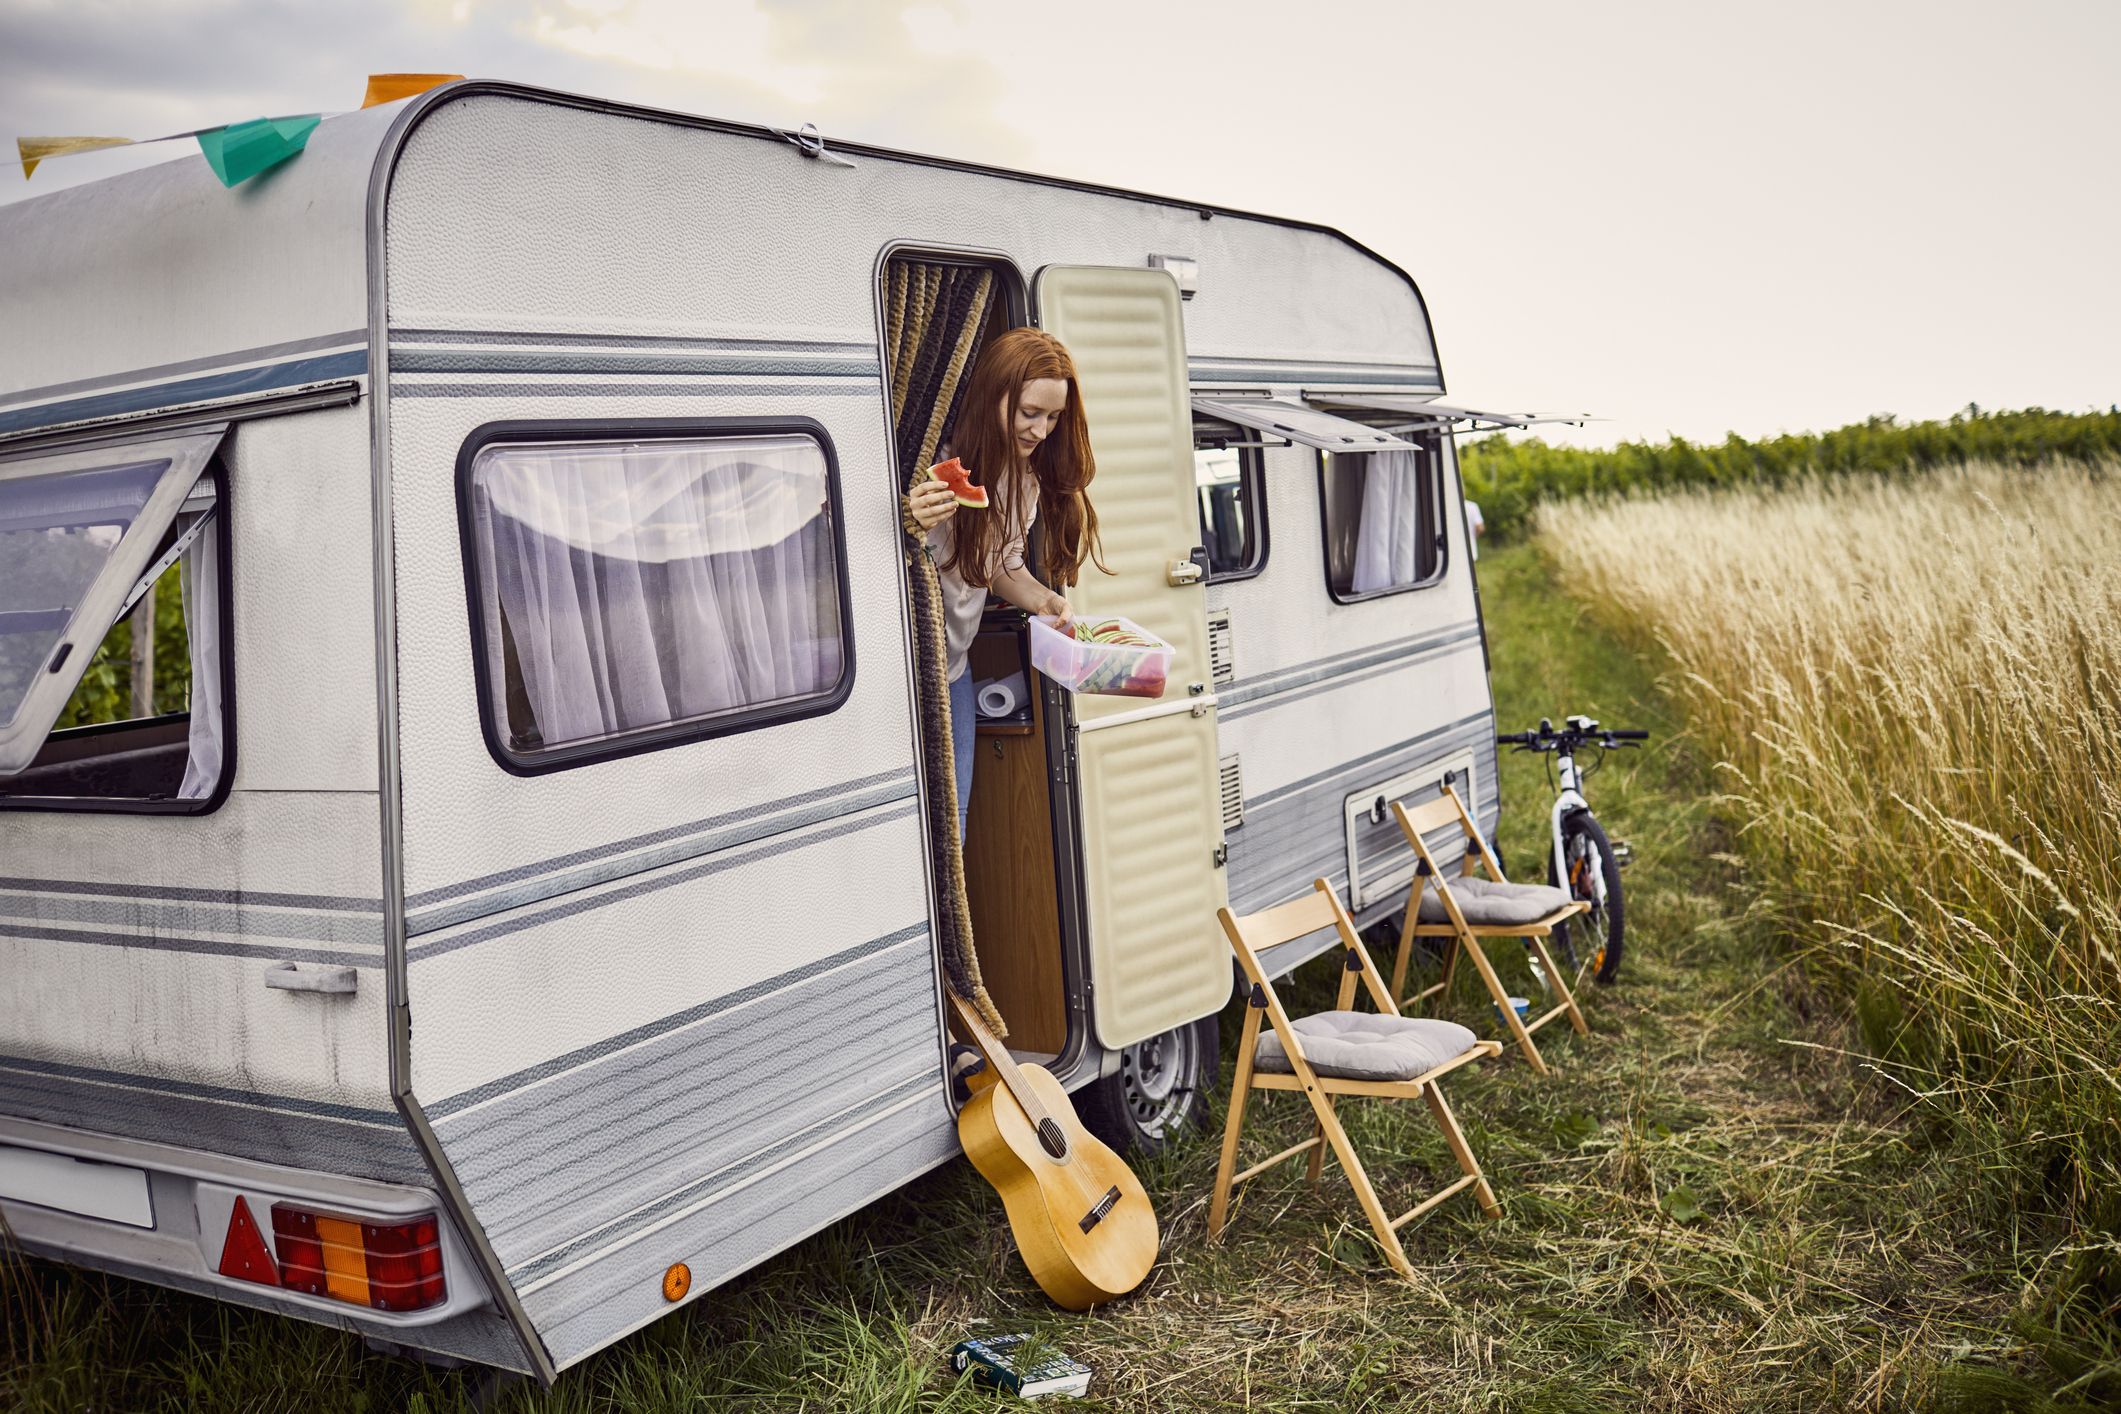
(1233, 790)
(1222, 659)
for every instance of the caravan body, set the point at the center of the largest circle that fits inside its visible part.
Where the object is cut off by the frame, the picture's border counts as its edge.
(663, 990)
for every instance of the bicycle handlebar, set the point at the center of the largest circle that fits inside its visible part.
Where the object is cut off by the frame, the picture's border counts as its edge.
(1546, 736)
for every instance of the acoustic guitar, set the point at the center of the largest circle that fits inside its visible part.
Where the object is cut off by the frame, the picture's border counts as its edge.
(1081, 1220)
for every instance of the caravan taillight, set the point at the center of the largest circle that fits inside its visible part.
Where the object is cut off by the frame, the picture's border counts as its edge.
(388, 1266)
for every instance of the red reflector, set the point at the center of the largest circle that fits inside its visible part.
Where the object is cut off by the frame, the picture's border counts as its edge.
(244, 1254)
(398, 1266)
(404, 1265)
(301, 1253)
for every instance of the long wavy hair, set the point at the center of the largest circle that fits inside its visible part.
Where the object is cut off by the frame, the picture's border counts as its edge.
(985, 441)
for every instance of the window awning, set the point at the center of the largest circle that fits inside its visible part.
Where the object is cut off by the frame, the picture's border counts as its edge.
(1431, 411)
(78, 529)
(1298, 423)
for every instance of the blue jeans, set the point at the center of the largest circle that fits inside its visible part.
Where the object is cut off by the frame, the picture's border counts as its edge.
(964, 736)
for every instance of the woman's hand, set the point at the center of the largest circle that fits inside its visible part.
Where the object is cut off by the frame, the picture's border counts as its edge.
(932, 503)
(1060, 610)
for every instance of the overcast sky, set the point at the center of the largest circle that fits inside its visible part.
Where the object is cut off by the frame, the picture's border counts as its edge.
(1688, 218)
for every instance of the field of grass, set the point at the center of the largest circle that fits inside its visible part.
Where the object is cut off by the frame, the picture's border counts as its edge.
(1912, 689)
(1713, 1206)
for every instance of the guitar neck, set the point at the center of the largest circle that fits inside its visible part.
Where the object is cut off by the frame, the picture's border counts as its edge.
(997, 1054)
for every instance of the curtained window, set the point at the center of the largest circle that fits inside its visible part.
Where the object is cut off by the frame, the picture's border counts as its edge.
(1383, 527)
(633, 592)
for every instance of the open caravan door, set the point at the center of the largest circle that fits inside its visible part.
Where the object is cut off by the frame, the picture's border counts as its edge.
(1150, 811)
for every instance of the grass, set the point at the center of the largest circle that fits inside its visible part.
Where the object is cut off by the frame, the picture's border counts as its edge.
(1911, 687)
(1712, 1207)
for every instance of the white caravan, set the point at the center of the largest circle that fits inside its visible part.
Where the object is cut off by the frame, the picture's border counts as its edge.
(536, 894)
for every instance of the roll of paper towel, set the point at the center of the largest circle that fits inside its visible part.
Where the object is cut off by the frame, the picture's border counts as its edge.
(1003, 696)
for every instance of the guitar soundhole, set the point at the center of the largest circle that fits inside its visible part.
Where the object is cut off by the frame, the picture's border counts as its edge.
(1052, 1139)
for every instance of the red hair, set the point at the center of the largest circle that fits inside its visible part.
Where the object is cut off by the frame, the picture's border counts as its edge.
(985, 441)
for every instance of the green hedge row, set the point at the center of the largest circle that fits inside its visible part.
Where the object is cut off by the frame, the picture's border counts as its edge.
(1509, 478)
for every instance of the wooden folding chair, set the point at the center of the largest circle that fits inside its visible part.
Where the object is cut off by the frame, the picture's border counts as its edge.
(1499, 909)
(1404, 1056)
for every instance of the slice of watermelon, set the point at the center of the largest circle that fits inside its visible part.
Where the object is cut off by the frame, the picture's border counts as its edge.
(952, 474)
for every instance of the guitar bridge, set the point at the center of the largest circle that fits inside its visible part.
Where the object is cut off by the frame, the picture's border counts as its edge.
(1104, 1205)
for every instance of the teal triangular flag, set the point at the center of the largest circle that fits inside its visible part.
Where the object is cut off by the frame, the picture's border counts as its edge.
(240, 151)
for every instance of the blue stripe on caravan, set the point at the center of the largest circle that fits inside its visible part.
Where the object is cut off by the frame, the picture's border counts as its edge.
(350, 364)
(165, 942)
(163, 372)
(441, 1111)
(1348, 677)
(516, 873)
(593, 867)
(627, 341)
(239, 897)
(433, 945)
(157, 917)
(1294, 684)
(725, 364)
(193, 1090)
(1345, 768)
(1297, 674)
(843, 388)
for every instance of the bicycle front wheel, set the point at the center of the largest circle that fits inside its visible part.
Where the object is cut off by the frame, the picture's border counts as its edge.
(1594, 877)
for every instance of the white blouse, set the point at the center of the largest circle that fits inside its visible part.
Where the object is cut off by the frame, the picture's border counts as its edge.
(962, 602)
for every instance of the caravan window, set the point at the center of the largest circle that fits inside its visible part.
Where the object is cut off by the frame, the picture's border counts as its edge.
(113, 675)
(1233, 528)
(631, 592)
(1383, 520)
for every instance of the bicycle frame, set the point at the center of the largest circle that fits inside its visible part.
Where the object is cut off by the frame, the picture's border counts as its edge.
(1567, 802)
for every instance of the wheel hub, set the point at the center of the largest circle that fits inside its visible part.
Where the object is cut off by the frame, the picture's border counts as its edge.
(1156, 1078)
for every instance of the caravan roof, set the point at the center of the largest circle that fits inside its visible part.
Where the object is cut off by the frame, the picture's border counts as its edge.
(157, 288)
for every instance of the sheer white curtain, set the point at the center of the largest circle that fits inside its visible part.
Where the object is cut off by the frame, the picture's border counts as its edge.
(1388, 535)
(657, 582)
(199, 577)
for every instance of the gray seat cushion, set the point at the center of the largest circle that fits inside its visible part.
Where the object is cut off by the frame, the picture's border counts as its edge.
(1363, 1045)
(1485, 902)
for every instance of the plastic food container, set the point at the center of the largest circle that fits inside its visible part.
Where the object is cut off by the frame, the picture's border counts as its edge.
(1108, 669)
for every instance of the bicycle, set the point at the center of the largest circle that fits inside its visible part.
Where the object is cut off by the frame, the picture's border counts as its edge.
(1583, 860)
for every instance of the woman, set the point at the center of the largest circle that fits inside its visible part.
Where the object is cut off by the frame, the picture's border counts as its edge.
(1021, 435)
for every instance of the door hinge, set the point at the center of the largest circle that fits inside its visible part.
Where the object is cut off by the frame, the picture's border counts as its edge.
(1222, 855)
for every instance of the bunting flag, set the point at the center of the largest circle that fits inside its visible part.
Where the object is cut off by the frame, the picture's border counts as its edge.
(35, 149)
(237, 151)
(240, 151)
(389, 88)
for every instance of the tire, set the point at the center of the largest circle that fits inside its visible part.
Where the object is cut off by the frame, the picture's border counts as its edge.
(1159, 1092)
(1589, 857)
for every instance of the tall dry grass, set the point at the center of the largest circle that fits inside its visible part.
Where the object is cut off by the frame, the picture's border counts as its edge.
(1914, 691)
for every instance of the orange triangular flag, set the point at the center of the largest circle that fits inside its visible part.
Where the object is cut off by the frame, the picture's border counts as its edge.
(389, 88)
(35, 149)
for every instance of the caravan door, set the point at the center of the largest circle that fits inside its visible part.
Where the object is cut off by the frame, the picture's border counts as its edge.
(1151, 821)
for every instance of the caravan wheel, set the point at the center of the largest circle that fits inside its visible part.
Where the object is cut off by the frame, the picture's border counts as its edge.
(1158, 1092)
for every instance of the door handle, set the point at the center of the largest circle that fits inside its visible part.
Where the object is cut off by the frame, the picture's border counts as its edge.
(1183, 573)
(286, 977)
